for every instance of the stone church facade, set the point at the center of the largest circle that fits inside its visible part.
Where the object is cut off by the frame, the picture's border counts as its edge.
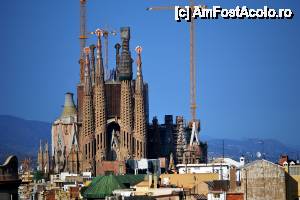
(110, 120)
(109, 124)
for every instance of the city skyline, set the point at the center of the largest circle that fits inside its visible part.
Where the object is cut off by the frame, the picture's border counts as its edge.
(245, 88)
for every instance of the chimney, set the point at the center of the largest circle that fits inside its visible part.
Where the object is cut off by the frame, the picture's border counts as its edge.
(69, 106)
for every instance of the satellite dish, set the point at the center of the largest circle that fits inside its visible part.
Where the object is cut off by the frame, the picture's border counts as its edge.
(258, 154)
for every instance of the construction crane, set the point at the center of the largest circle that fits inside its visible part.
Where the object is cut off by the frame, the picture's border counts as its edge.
(82, 36)
(195, 125)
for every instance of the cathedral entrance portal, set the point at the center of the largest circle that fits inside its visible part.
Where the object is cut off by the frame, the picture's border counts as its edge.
(113, 143)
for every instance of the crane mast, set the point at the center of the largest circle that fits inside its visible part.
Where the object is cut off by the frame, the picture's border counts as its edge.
(192, 68)
(82, 36)
(193, 105)
(194, 124)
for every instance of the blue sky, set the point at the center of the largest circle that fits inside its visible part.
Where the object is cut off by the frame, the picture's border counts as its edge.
(247, 70)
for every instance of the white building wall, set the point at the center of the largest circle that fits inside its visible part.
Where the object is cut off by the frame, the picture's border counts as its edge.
(216, 196)
(222, 170)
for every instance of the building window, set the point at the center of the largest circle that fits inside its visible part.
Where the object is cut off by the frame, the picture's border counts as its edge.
(101, 139)
(89, 150)
(86, 151)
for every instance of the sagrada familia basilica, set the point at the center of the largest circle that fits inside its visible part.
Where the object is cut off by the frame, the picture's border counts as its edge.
(110, 120)
(109, 124)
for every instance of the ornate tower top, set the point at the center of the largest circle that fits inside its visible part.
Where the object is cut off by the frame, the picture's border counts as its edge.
(138, 50)
(139, 76)
(41, 148)
(99, 68)
(92, 48)
(87, 77)
(124, 70)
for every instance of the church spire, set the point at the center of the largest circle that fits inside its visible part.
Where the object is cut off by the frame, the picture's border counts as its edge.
(139, 75)
(92, 49)
(40, 161)
(87, 76)
(125, 66)
(99, 67)
(87, 135)
(139, 111)
(100, 106)
(41, 148)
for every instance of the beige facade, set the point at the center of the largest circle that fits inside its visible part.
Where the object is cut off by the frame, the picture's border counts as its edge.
(263, 180)
(293, 181)
(195, 183)
(126, 129)
(139, 142)
(64, 138)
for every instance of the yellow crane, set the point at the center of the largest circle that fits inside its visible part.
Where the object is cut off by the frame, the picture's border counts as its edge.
(82, 36)
(195, 125)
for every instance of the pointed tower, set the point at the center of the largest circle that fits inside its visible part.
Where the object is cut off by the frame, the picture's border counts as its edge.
(73, 156)
(40, 157)
(99, 102)
(87, 132)
(93, 75)
(126, 126)
(124, 74)
(124, 69)
(46, 166)
(82, 37)
(140, 139)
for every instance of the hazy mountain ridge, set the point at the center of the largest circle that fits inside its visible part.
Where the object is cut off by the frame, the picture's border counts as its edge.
(21, 137)
(270, 149)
